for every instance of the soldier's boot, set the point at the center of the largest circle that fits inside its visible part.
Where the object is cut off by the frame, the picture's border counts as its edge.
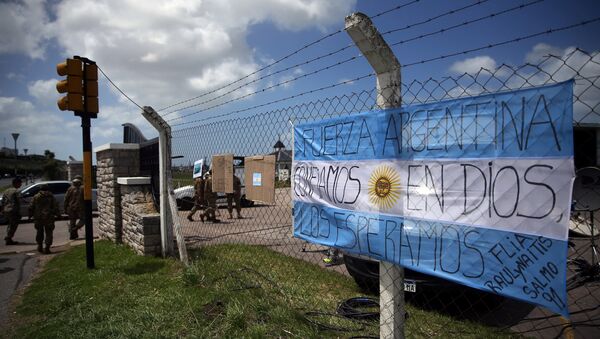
(239, 215)
(215, 220)
(47, 249)
(202, 217)
(189, 217)
(40, 248)
(230, 215)
(73, 235)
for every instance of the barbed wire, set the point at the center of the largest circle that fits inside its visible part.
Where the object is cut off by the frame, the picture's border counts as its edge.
(264, 77)
(285, 57)
(439, 16)
(279, 100)
(489, 16)
(263, 89)
(521, 38)
(466, 23)
(441, 57)
(322, 56)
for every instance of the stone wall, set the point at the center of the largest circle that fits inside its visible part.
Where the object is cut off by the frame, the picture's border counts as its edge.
(141, 221)
(113, 161)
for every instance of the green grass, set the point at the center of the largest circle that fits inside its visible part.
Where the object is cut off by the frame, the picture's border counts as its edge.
(182, 179)
(230, 291)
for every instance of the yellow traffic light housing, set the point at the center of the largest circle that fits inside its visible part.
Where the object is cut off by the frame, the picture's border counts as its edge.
(73, 85)
(81, 86)
(70, 67)
(71, 102)
(91, 88)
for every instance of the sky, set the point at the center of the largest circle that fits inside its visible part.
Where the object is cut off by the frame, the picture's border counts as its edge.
(164, 52)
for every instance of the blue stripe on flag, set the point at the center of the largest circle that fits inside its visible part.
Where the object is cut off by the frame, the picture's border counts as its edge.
(529, 268)
(530, 123)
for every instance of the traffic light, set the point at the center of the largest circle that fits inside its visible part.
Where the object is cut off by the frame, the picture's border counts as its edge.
(81, 86)
(73, 85)
(91, 88)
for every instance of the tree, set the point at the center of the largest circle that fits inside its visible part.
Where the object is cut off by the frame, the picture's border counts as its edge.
(51, 170)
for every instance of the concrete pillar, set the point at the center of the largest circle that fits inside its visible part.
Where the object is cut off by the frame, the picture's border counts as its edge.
(387, 68)
(113, 161)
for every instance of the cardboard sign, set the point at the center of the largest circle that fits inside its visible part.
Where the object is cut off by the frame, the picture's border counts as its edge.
(222, 173)
(260, 172)
(198, 169)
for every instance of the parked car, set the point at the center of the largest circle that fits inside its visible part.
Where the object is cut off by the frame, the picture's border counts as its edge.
(58, 188)
(365, 271)
(184, 196)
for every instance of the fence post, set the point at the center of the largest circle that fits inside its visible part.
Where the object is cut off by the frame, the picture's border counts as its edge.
(387, 68)
(164, 154)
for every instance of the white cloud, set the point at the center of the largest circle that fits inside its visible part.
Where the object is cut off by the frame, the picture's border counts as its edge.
(162, 52)
(474, 65)
(24, 27)
(44, 90)
(39, 130)
(157, 52)
(541, 51)
(547, 65)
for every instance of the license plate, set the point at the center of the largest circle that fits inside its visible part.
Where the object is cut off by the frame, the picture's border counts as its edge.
(410, 286)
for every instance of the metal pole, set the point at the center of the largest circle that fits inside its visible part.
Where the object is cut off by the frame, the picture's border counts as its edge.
(87, 190)
(87, 170)
(386, 66)
(167, 213)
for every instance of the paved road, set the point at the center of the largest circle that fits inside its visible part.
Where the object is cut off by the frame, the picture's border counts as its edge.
(15, 272)
(25, 235)
(18, 262)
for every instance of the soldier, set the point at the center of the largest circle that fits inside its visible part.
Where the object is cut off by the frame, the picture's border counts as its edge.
(11, 208)
(44, 208)
(198, 199)
(74, 207)
(211, 199)
(235, 196)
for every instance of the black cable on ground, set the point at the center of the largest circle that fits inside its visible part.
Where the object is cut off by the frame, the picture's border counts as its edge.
(354, 308)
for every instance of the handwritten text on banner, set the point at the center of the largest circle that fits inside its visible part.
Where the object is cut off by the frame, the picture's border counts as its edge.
(474, 190)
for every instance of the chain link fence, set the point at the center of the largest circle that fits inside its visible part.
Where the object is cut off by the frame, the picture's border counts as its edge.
(436, 304)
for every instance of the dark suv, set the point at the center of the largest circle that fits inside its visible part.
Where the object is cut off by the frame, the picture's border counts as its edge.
(365, 272)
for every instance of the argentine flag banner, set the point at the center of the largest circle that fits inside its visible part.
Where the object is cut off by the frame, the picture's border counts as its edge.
(475, 190)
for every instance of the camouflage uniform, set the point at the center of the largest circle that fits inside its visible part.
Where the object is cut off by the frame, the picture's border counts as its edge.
(211, 200)
(44, 208)
(74, 207)
(11, 208)
(198, 199)
(235, 196)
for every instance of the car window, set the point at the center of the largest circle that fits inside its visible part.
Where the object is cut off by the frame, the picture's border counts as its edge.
(59, 187)
(30, 191)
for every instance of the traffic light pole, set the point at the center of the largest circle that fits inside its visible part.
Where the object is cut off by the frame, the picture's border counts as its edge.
(87, 190)
(81, 87)
(87, 169)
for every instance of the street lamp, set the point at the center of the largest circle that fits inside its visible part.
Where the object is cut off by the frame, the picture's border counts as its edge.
(15, 136)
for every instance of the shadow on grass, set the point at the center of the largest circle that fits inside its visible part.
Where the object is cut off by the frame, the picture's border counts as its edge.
(143, 268)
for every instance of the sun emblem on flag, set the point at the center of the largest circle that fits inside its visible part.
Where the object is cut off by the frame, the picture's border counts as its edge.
(384, 187)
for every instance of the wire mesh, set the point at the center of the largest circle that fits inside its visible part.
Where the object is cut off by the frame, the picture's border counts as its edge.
(270, 225)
